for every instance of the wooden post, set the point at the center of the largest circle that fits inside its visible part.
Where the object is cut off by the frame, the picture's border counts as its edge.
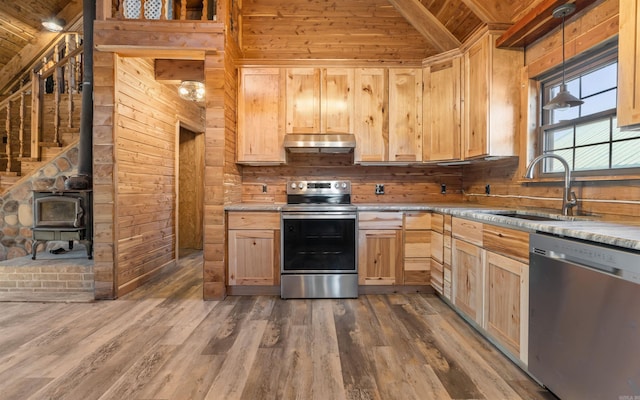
(70, 82)
(36, 114)
(57, 87)
(8, 133)
(21, 130)
(183, 10)
(205, 8)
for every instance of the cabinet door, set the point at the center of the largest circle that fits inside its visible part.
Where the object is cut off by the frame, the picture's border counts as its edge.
(506, 313)
(467, 278)
(337, 104)
(261, 116)
(253, 257)
(380, 257)
(303, 100)
(405, 114)
(476, 99)
(629, 64)
(441, 111)
(492, 99)
(371, 119)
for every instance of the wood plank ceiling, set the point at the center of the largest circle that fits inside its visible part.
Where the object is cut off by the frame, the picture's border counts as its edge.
(366, 29)
(21, 28)
(379, 30)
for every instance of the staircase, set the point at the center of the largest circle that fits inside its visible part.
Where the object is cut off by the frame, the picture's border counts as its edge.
(41, 116)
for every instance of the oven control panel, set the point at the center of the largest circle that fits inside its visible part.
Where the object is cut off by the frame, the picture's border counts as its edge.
(319, 187)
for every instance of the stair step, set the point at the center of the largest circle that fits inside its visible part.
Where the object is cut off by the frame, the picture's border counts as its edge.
(49, 144)
(7, 174)
(28, 166)
(47, 153)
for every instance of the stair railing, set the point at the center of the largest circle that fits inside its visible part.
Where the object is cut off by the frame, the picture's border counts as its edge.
(165, 10)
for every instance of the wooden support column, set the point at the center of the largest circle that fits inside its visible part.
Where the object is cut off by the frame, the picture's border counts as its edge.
(104, 180)
(214, 270)
(21, 129)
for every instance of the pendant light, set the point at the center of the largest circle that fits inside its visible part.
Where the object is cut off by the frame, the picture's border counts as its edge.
(192, 90)
(563, 99)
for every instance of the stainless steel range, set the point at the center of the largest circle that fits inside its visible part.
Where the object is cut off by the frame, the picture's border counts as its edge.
(319, 241)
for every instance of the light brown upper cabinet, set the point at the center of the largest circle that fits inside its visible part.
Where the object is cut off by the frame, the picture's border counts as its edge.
(405, 114)
(261, 116)
(319, 100)
(491, 99)
(441, 110)
(371, 119)
(629, 64)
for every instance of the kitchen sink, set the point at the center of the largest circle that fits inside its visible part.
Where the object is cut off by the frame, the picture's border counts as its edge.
(532, 217)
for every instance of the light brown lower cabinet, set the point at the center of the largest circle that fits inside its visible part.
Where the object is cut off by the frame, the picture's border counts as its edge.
(506, 311)
(380, 257)
(468, 279)
(254, 248)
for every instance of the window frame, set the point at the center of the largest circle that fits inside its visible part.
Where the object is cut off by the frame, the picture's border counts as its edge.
(599, 58)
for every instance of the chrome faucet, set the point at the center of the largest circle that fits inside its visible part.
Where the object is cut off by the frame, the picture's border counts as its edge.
(569, 200)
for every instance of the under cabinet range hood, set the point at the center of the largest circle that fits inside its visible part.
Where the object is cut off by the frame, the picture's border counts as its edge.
(320, 143)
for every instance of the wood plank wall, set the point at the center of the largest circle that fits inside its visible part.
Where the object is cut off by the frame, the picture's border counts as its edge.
(136, 123)
(402, 184)
(145, 152)
(611, 198)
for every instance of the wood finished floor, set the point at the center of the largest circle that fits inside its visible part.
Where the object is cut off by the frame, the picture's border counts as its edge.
(163, 342)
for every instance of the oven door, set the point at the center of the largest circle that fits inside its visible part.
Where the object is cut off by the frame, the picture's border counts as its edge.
(319, 242)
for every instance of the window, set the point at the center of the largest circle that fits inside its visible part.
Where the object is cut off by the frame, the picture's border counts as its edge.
(587, 136)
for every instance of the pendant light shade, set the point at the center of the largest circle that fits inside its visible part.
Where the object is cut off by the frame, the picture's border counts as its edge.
(563, 99)
(192, 90)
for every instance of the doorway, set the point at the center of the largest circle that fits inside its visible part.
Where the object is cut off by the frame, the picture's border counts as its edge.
(190, 191)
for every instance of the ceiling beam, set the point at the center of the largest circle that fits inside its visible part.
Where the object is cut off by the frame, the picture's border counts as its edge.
(179, 70)
(491, 11)
(537, 23)
(427, 24)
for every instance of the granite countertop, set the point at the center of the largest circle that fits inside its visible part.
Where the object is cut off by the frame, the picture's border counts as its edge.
(614, 234)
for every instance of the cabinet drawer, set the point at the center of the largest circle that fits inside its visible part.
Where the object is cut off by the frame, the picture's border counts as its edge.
(510, 242)
(417, 244)
(417, 220)
(469, 231)
(254, 220)
(417, 271)
(380, 220)
(437, 223)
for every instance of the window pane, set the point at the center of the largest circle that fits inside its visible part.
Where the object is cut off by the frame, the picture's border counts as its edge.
(564, 114)
(559, 138)
(618, 134)
(600, 80)
(552, 165)
(600, 102)
(626, 154)
(593, 132)
(592, 157)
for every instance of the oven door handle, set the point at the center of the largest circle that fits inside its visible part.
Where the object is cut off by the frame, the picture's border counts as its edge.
(321, 215)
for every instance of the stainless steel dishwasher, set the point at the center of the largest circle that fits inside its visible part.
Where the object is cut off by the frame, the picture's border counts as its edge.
(584, 319)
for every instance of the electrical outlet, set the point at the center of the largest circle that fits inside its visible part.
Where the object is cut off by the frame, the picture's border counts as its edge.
(379, 188)
(443, 188)
(487, 189)
(264, 188)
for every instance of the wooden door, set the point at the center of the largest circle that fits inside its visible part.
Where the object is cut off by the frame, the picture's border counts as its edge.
(506, 311)
(405, 114)
(441, 111)
(467, 278)
(371, 124)
(253, 257)
(337, 105)
(380, 257)
(476, 99)
(261, 116)
(303, 100)
(629, 64)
